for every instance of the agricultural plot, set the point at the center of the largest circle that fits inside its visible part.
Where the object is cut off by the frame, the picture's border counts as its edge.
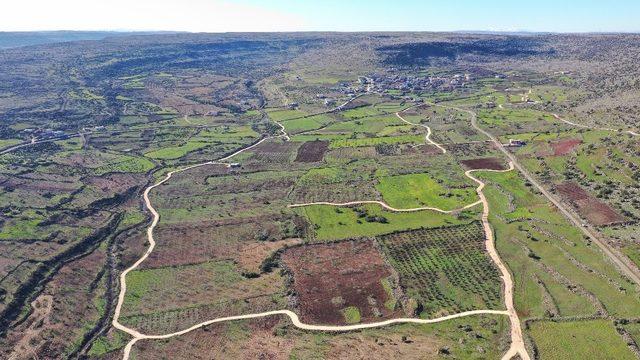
(176, 152)
(167, 289)
(340, 283)
(343, 155)
(226, 196)
(369, 125)
(312, 151)
(444, 270)
(307, 123)
(373, 141)
(247, 241)
(594, 210)
(590, 339)
(284, 114)
(420, 190)
(449, 126)
(337, 183)
(468, 150)
(512, 121)
(559, 272)
(335, 192)
(565, 146)
(363, 112)
(273, 152)
(276, 338)
(491, 163)
(333, 223)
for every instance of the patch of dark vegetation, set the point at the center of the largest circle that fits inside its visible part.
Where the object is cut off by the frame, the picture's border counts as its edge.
(429, 52)
(312, 151)
(233, 56)
(491, 163)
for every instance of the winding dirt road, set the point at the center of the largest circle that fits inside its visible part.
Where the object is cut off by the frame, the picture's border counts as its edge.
(297, 323)
(517, 340)
(294, 318)
(156, 218)
(35, 141)
(428, 137)
(558, 117)
(386, 206)
(616, 257)
(517, 343)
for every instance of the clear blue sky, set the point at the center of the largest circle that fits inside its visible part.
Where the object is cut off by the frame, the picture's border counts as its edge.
(445, 15)
(323, 15)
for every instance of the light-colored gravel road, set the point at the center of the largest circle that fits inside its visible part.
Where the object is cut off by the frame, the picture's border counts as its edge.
(517, 342)
(386, 206)
(428, 137)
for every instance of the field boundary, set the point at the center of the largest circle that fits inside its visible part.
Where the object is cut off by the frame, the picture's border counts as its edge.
(517, 343)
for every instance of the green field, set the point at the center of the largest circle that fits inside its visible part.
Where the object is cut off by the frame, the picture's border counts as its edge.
(333, 223)
(404, 139)
(176, 152)
(371, 125)
(282, 114)
(591, 339)
(533, 236)
(306, 123)
(420, 190)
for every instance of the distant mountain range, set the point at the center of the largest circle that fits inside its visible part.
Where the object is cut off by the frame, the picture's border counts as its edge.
(26, 38)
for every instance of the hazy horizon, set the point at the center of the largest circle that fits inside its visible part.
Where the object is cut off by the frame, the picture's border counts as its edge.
(218, 16)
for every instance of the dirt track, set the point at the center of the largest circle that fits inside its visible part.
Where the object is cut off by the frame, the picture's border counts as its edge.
(615, 256)
(517, 342)
(428, 137)
(386, 206)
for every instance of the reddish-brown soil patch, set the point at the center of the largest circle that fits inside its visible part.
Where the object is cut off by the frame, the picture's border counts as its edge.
(484, 163)
(312, 151)
(563, 147)
(594, 210)
(328, 278)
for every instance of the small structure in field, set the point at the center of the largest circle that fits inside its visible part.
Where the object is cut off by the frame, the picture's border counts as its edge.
(516, 143)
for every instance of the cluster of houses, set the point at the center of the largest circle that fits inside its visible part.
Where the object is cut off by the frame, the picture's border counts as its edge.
(393, 80)
(406, 83)
(44, 133)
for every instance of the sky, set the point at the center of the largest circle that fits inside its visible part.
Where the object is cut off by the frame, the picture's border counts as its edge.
(322, 15)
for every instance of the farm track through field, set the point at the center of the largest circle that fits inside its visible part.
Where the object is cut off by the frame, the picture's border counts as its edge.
(35, 142)
(386, 206)
(525, 99)
(558, 117)
(618, 259)
(156, 218)
(517, 343)
(517, 347)
(428, 137)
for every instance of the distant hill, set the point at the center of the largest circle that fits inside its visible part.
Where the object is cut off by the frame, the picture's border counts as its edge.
(26, 38)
